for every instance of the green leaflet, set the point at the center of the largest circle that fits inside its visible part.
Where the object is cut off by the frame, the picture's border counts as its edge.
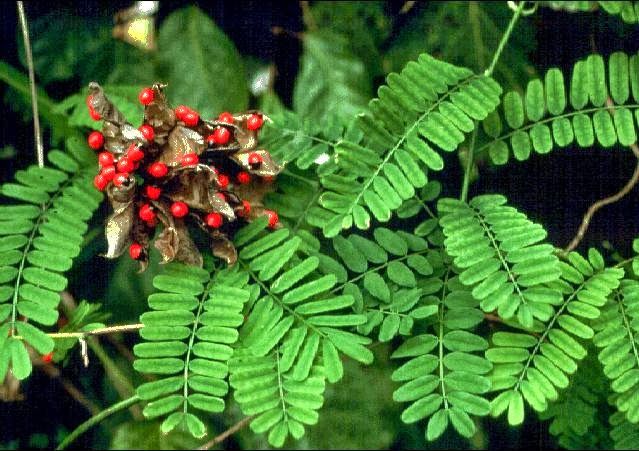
(499, 251)
(52, 206)
(553, 114)
(534, 370)
(444, 383)
(438, 103)
(615, 336)
(188, 335)
(294, 333)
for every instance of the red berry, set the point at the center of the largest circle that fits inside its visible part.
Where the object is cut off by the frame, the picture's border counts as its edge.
(108, 172)
(152, 223)
(100, 182)
(214, 220)
(181, 111)
(134, 153)
(121, 179)
(94, 114)
(125, 165)
(221, 135)
(147, 131)
(105, 159)
(47, 357)
(247, 208)
(223, 180)
(254, 122)
(243, 178)
(135, 250)
(152, 192)
(190, 159)
(191, 119)
(95, 140)
(225, 117)
(272, 218)
(158, 169)
(255, 159)
(221, 196)
(146, 96)
(179, 209)
(146, 213)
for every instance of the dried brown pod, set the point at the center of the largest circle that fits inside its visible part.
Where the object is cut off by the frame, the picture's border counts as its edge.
(183, 173)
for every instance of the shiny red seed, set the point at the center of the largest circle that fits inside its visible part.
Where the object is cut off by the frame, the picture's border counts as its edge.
(244, 178)
(223, 180)
(134, 153)
(135, 250)
(179, 209)
(146, 213)
(158, 169)
(254, 122)
(100, 182)
(146, 96)
(120, 179)
(47, 357)
(214, 220)
(105, 159)
(95, 140)
(190, 159)
(273, 219)
(221, 135)
(147, 131)
(152, 192)
(255, 159)
(180, 111)
(247, 208)
(191, 119)
(221, 196)
(225, 117)
(108, 172)
(125, 165)
(94, 114)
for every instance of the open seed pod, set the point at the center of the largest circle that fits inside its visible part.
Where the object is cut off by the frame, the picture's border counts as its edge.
(178, 172)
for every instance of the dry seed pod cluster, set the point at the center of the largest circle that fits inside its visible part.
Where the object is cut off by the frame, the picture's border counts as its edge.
(176, 170)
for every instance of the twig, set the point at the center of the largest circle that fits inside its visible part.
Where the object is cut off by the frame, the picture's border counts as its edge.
(102, 331)
(307, 16)
(34, 97)
(96, 419)
(230, 431)
(585, 222)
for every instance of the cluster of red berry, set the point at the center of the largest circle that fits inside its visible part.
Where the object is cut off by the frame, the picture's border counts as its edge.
(140, 159)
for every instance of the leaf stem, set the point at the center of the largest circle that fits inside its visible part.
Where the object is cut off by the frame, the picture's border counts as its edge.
(34, 96)
(101, 331)
(469, 166)
(504, 39)
(96, 419)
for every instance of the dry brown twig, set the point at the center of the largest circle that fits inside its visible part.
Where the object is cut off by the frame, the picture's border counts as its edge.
(226, 434)
(585, 222)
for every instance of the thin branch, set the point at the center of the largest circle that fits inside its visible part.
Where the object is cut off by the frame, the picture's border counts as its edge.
(34, 97)
(97, 419)
(307, 16)
(585, 222)
(504, 39)
(102, 331)
(226, 434)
